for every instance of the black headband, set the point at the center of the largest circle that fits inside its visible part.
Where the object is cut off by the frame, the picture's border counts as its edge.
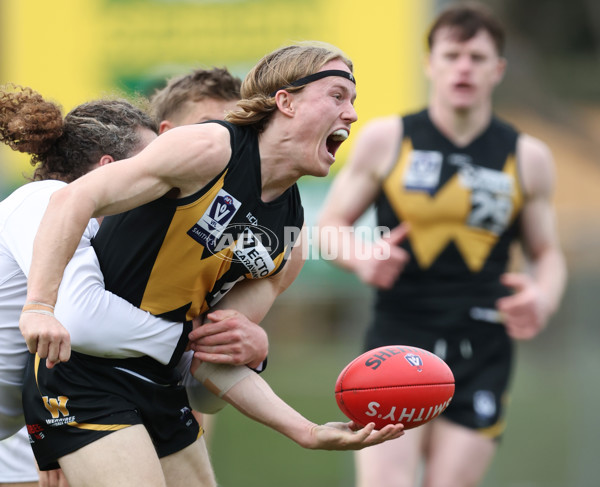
(314, 77)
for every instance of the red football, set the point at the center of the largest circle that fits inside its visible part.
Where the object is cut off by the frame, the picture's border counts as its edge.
(395, 384)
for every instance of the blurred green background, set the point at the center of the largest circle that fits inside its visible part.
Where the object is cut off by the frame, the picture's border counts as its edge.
(72, 50)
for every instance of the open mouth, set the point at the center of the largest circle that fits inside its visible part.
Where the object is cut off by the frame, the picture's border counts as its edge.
(335, 140)
(463, 86)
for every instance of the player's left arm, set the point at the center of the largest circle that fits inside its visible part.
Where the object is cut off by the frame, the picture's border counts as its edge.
(537, 294)
(231, 333)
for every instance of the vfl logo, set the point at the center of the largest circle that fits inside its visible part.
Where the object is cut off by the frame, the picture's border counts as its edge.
(414, 360)
(56, 406)
(222, 208)
(424, 171)
(215, 219)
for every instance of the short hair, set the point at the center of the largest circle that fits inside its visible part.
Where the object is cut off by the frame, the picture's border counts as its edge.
(275, 70)
(466, 20)
(66, 149)
(215, 83)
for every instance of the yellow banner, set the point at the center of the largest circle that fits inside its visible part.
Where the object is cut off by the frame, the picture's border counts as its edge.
(72, 51)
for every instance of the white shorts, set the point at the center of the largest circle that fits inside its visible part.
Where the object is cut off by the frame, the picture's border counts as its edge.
(16, 459)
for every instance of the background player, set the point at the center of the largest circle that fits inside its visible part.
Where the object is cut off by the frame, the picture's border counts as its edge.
(464, 185)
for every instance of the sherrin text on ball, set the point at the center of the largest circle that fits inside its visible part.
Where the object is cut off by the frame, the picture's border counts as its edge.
(395, 384)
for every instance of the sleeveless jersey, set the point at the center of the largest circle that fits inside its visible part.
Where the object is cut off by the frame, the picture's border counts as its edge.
(463, 206)
(176, 258)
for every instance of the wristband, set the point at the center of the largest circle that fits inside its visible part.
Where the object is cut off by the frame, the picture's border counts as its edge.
(38, 308)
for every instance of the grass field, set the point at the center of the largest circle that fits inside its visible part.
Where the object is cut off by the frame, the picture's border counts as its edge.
(552, 424)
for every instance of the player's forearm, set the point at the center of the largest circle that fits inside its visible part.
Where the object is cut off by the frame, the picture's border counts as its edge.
(254, 398)
(550, 272)
(59, 234)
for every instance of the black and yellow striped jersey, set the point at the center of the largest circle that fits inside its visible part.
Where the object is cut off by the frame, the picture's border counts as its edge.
(463, 206)
(177, 257)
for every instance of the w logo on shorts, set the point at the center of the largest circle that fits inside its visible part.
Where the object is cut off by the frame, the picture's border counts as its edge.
(56, 406)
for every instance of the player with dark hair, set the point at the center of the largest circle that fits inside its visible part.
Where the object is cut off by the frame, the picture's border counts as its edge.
(206, 191)
(457, 186)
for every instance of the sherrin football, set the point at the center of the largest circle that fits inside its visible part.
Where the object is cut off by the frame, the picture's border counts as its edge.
(395, 384)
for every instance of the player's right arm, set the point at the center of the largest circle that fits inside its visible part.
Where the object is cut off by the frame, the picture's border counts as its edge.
(354, 189)
(186, 158)
(537, 293)
(255, 398)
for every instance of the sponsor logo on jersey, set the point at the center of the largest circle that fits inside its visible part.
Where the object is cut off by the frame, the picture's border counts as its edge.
(215, 220)
(245, 242)
(475, 177)
(251, 252)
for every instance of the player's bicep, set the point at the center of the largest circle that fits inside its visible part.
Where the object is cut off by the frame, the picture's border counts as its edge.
(538, 225)
(185, 158)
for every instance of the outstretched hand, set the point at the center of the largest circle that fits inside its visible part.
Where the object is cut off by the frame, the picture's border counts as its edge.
(45, 336)
(383, 272)
(525, 312)
(350, 436)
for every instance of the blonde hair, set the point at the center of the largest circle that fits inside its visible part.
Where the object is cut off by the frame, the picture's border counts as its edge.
(275, 71)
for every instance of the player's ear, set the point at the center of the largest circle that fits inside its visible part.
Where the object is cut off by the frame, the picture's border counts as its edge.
(105, 159)
(427, 66)
(165, 125)
(285, 102)
(500, 69)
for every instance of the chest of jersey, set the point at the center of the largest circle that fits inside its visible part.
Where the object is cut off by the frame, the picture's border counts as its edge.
(467, 198)
(178, 258)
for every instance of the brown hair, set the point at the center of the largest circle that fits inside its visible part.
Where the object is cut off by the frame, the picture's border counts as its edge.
(66, 149)
(466, 20)
(199, 84)
(276, 70)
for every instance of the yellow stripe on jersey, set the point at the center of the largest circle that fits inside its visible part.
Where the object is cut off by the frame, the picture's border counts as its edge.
(439, 219)
(176, 279)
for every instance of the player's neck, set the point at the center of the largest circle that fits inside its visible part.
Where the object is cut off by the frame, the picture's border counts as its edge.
(461, 127)
(278, 165)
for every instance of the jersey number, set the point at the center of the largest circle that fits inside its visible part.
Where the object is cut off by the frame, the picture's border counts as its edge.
(489, 211)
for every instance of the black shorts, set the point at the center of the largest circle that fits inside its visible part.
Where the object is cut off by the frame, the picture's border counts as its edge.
(480, 355)
(80, 401)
